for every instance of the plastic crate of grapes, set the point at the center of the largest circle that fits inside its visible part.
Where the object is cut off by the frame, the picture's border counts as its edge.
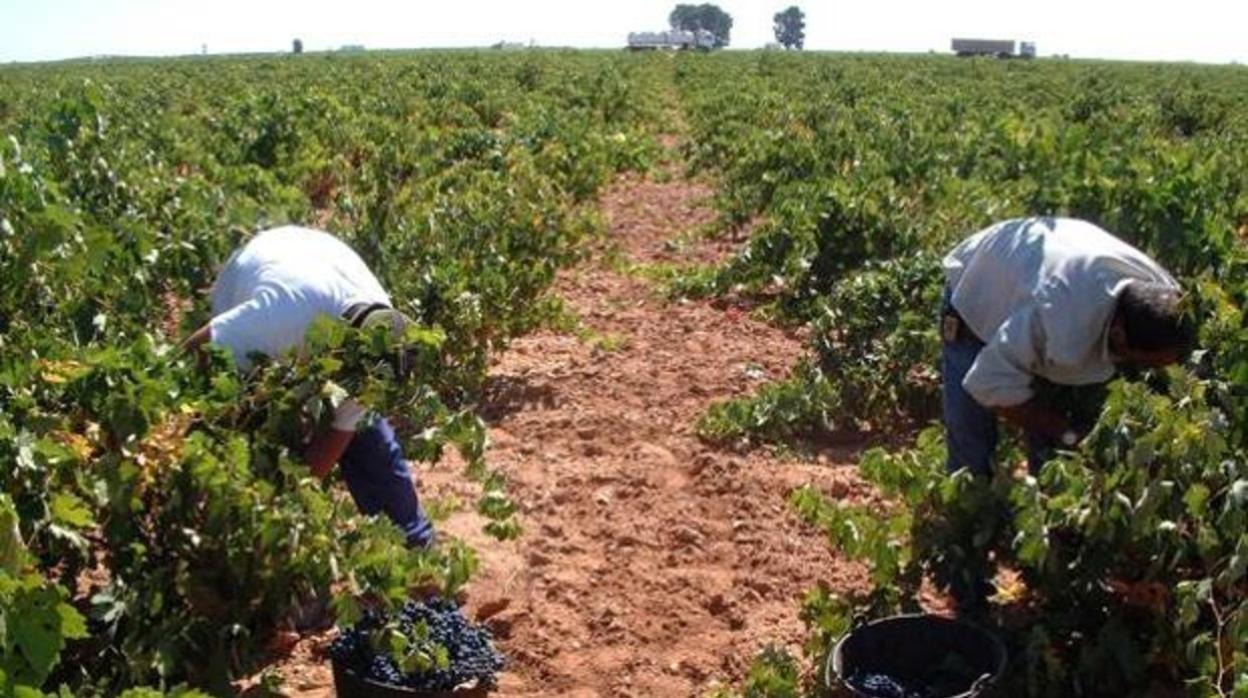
(916, 656)
(348, 685)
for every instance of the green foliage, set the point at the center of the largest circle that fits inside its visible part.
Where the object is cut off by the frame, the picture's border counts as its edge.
(865, 170)
(154, 693)
(774, 673)
(778, 412)
(873, 338)
(932, 149)
(35, 619)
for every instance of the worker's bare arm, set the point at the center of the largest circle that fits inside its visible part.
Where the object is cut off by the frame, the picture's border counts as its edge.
(198, 339)
(195, 344)
(326, 448)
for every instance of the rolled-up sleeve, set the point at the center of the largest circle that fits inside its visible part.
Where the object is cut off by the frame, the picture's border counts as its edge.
(349, 415)
(1002, 373)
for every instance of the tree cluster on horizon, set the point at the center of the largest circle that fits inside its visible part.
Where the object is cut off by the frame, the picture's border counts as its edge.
(790, 27)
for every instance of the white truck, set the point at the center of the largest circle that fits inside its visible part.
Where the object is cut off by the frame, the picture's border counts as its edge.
(675, 39)
(1001, 48)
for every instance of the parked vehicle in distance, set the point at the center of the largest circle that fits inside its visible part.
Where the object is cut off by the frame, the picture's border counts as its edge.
(1001, 48)
(675, 39)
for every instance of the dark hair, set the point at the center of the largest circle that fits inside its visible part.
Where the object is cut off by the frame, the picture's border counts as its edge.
(1153, 319)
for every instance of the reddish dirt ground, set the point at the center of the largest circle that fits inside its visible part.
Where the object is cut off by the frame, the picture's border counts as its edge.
(652, 564)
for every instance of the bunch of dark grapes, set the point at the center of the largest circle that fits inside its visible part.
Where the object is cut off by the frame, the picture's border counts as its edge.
(469, 647)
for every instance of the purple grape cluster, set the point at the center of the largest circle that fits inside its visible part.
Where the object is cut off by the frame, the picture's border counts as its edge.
(469, 646)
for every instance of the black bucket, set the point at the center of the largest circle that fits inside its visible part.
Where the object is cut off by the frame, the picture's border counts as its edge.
(947, 658)
(347, 684)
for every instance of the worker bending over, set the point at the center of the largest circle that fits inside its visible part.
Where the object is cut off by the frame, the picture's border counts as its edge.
(268, 294)
(1051, 298)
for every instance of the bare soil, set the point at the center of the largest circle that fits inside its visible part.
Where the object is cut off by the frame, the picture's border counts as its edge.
(652, 564)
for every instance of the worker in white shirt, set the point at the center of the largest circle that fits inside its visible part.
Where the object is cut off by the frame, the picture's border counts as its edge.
(1042, 298)
(264, 300)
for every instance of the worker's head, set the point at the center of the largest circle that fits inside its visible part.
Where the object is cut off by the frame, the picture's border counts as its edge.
(397, 324)
(1148, 329)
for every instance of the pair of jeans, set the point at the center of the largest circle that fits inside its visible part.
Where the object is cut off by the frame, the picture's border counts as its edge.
(970, 428)
(380, 480)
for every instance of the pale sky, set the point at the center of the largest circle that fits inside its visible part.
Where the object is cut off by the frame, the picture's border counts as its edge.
(1199, 30)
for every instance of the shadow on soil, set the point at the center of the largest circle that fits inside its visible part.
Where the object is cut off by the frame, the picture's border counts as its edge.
(507, 395)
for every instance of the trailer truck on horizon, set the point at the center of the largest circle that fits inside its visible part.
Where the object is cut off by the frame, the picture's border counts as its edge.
(1001, 48)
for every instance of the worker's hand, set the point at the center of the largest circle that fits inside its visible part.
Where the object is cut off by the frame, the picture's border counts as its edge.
(195, 344)
(1038, 418)
(197, 340)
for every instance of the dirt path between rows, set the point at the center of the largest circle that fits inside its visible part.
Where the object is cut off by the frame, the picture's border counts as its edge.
(652, 564)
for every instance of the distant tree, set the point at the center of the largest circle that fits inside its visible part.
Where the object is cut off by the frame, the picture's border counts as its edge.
(790, 27)
(705, 16)
(685, 17)
(297, 46)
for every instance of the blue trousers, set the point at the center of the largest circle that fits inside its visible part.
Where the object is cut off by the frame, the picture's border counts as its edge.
(380, 480)
(970, 428)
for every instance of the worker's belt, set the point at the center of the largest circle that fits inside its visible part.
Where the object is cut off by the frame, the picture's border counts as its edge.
(954, 329)
(357, 313)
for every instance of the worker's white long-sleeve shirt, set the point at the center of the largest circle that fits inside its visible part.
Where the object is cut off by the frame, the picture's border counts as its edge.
(1041, 293)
